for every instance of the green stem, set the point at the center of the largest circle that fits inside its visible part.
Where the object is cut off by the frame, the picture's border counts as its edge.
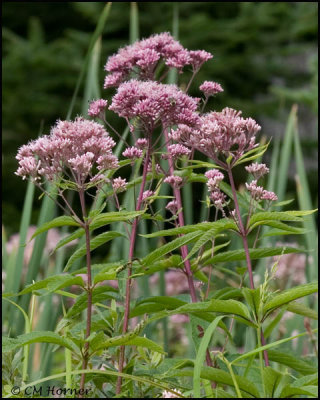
(261, 360)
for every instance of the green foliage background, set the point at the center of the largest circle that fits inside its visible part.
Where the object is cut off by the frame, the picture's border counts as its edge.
(264, 57)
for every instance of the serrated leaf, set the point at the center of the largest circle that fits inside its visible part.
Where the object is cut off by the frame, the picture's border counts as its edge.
(105, 276)
(271, 379)
(11, 344)
(54, 283)
(220, 225)
(222, 377)
(99, 294)
(210, 234)
(291, 391)
(301, 309)
(240, 255)
(94, 243)
(288, 295)
(167, 248)
(145, 343)
(272, 216)
(291, 361)
(69, 238)
(59, 221)
(110, 217)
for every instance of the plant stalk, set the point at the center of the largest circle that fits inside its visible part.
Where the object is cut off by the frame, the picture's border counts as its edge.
(89, 288)
(243, 234)
(130, 256)
(184, 249)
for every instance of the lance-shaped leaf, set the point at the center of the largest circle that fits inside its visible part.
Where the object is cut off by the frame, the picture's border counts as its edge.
(54, 283)
(110, 217)
(291, 361)
(59, 221)
(288, 295)
(222, 377)
(94, 243)
(301, 309)
(167, 248)
(240, 255)
(11, 344)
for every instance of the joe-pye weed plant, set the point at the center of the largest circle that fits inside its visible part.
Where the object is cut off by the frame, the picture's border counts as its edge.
(170, 130)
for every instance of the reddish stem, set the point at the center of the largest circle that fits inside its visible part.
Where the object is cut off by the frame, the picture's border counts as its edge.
(89, 289)
(130, 256)
(244, 234)
(184, 249)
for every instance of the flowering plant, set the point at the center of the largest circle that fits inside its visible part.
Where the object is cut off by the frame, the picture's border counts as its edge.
(169, 130)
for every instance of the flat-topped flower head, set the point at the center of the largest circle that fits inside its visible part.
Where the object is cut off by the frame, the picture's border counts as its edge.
(133, 153)
(77, 149)
(199, 57)
(210, 88)
(214, 178)
(97, 108)
(143, 57)
(223, 133)
(257, 170)
(141, 143)
(178, 150)
(119, 184)
(268, 195)
(174, 181)
(146, 194)
(255, 190)
(172, 206)
(152, 103)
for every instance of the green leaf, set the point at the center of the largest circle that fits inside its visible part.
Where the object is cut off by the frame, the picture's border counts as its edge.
(221, 225)
(291, 391)
(201, 355)
(291, 361)
(240, 255)
(110, 217)
(210, 234)
(167, 248)
(99, 294)
(73, 236)
(288, 295)
(94, 243)
(301, 309)
(256, 152)
(145, 343)
(272, 216)
(105, 276)
(271, 379)
(59, 221)
(11, 344)
(223, 378)
(54, 283)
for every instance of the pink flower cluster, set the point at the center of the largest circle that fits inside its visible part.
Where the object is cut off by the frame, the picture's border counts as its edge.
(152, 103)
(73, 148)
(257, 170)
(214, 178)
(173, 180)
(220, 133)
(132, 153)
(210, 88)
(146, 194)
(178, 150)
(141, 143)
(172, 206)
(119, 184)
(143, 56)
(97, 108)
(258, 193)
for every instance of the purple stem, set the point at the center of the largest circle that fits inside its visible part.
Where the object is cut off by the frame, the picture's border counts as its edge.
(184, 249)
(243, 234)
(130, 256)
(89, 288)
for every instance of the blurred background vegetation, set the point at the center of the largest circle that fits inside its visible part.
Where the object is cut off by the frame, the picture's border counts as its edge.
(265, 57)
